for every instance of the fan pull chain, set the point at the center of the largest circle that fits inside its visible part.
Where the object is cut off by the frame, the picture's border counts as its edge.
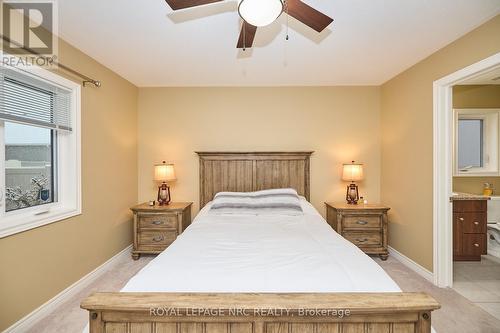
(244, 36)
(287, 17)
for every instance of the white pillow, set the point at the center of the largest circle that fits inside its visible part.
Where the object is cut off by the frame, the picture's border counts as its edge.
(274, 201)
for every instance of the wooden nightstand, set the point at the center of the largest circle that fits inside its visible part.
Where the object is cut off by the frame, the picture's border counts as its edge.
(156, 227)
(363, 225)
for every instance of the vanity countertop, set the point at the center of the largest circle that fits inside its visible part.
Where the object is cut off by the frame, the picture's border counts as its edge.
(468, 196)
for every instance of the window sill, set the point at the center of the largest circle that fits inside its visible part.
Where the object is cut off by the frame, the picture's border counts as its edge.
(26, 221)
(476, 174)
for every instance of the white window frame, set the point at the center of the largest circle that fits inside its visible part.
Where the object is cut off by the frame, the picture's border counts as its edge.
(491, 153)
(68, 154)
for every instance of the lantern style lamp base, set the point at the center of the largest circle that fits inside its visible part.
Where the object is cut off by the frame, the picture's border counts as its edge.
(352, 195)
(163, 194)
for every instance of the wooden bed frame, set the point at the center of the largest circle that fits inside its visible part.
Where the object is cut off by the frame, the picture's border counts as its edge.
(259, 312)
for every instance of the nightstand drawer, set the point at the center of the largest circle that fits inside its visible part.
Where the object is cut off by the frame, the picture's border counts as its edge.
(361, 222)
(363, 225)
(364, 238)
(156, 238)
(156, 227)
(157, 221)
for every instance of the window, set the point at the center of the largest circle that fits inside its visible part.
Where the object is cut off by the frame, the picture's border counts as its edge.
(476, 142)
(29, 166)
(39, 149)
(470, 143)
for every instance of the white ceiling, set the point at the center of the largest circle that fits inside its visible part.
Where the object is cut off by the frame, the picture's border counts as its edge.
(369, 42)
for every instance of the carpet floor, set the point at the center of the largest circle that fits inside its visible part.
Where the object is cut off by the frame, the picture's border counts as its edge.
(457, 314)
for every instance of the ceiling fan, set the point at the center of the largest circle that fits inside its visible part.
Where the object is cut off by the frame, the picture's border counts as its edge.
(259, 13)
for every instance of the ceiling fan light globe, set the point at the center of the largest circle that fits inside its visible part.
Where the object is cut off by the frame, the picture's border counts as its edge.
(260, 13)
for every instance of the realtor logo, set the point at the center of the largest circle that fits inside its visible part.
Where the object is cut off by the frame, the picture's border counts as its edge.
(29, 27)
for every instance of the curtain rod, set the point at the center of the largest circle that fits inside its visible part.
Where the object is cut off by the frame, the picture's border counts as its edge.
(85, 78)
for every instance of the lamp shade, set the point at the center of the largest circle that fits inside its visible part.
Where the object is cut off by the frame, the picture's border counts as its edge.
(164, 172)
(260, 13)
(352, 172)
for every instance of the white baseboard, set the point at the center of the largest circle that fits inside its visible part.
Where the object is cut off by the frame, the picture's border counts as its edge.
(423, 272)
(28, 321)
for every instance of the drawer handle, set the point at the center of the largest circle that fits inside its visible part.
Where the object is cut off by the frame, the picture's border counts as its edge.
(476, 244)
(156, 222)
(157, 238)
(461, 218)
(361, 240)
(476, 223)
(362, 222)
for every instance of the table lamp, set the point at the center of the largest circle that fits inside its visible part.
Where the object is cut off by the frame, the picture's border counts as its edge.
(164, 173)
(352, 172)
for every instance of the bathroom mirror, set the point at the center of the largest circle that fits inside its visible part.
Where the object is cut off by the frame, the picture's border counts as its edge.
(476, 142)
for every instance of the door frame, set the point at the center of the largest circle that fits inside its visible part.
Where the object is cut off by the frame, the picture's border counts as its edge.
(443, 167)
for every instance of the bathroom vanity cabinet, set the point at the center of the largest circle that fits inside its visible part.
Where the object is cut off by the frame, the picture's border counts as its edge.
(469, 229)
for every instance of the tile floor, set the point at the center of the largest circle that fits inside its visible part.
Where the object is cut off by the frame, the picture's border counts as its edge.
(479, 282)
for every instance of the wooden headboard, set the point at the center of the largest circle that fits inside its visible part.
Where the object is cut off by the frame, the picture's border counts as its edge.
(252, 171)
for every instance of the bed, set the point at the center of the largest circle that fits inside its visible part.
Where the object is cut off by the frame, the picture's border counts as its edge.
(259, 273)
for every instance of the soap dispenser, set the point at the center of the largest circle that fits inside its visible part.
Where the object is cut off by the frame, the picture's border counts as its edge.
(487, 189)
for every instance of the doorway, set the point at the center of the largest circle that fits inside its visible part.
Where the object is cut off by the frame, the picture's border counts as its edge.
(443, 163)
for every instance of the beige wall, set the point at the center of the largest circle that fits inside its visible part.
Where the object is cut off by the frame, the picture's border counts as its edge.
(407, 148)
(475, 185)
(36, 265)
(476, 97)
(339, 124)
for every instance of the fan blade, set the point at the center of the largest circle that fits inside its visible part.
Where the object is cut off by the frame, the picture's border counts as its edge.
(181, 4)
(308, 15)
(248, 33)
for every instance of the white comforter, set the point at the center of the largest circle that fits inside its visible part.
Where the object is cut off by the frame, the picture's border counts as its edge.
(241, 253)
(250, 253)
